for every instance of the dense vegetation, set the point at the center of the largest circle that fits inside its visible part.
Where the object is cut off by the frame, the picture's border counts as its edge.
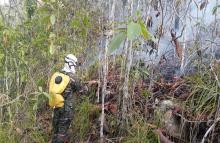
(134, 101)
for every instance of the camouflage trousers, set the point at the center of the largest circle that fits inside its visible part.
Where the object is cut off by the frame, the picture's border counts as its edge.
(61, 121)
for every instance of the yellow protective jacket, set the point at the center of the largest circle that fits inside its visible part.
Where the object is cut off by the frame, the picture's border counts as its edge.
(57, 85)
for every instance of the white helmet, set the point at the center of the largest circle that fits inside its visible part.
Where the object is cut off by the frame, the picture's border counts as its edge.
(70, 63)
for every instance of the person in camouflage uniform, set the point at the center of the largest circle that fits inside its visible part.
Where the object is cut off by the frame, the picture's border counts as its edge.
(62, 100)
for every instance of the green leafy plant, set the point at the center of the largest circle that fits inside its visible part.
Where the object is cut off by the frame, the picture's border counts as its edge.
(82, 124)
(204, 96)
(141, 132)
(133, 31)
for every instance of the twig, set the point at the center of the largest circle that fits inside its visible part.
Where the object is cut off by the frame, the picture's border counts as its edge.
(12, 101)
(190, 121)
(209, 130)
(213, 42)
(181, 34)
(105, 73)
(97, 92)
(162, 22)
(179, 49)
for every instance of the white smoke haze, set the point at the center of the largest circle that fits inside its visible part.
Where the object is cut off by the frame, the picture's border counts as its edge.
(4, 2)
(193, 21)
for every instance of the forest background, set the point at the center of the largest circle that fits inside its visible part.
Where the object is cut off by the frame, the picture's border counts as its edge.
(156, 62)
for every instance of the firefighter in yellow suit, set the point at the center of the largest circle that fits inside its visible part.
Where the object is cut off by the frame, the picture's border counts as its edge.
(62, 85)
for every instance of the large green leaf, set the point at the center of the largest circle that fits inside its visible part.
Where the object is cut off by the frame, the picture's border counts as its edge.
(146, 34)
(133, 31)
(116, 41)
